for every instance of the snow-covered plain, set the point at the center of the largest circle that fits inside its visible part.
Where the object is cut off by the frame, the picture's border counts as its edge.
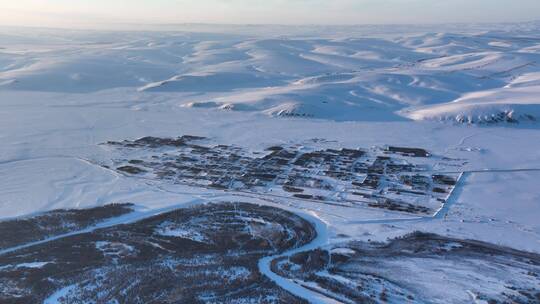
(63, 93)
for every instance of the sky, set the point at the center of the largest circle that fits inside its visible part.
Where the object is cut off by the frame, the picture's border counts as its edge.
(98, 13)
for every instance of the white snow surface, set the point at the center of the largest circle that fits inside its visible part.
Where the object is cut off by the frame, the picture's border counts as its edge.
(519, 100)
(370, 75)
(62, 93)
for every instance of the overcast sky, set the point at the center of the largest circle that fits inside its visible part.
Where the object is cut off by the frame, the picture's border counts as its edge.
(77, 13)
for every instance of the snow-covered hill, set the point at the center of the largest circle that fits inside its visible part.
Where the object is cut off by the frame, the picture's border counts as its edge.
(345, 127)
(518, 102)
(377, 77)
